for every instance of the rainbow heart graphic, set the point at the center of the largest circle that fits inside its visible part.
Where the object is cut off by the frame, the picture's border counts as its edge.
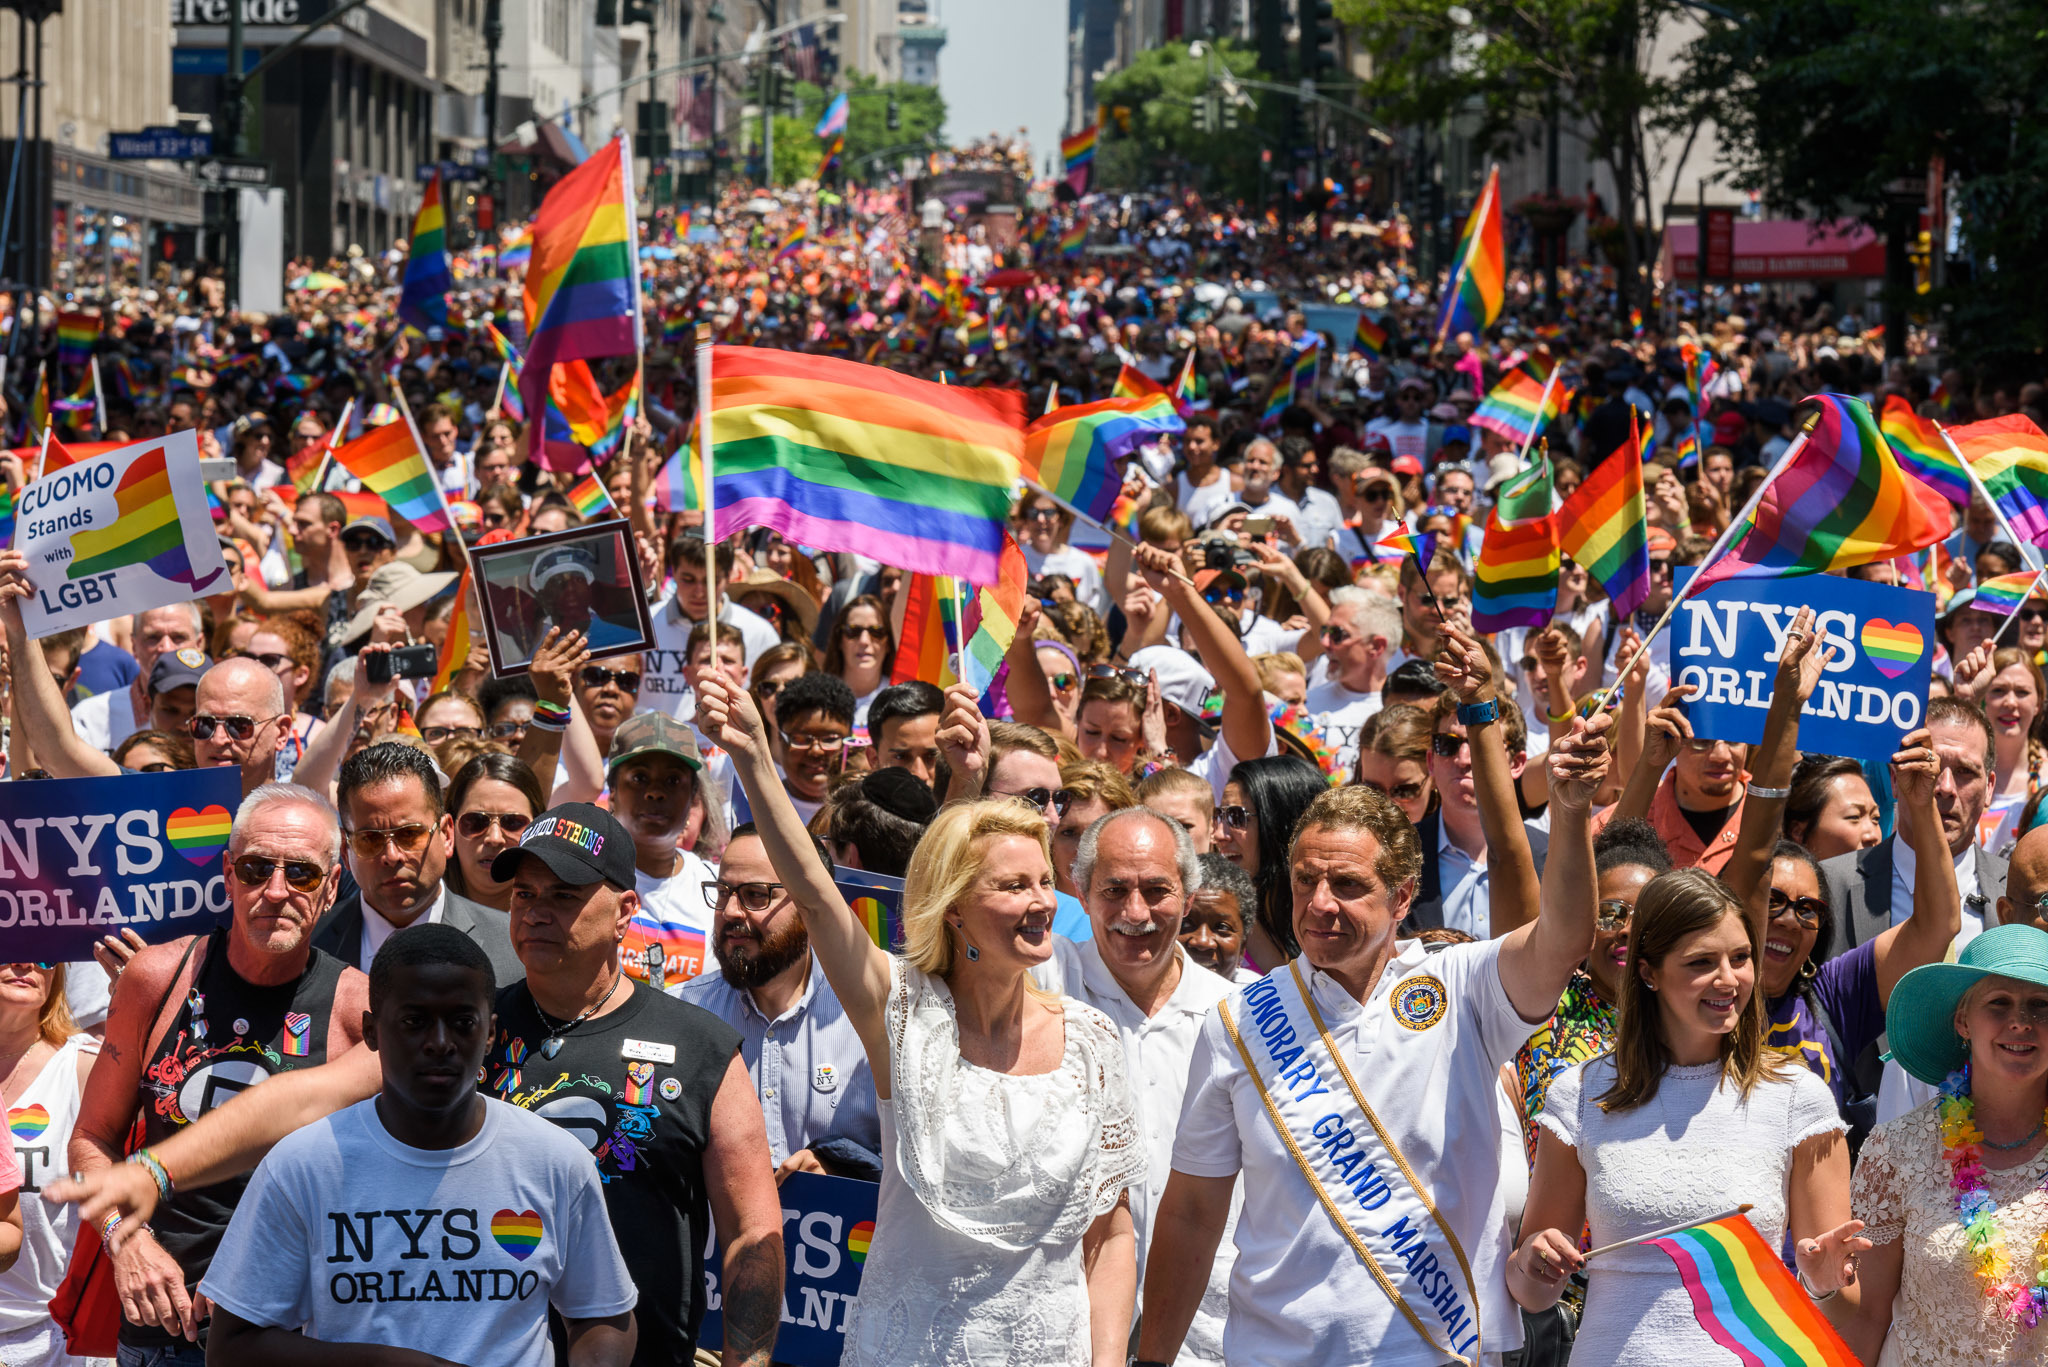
(1893, 647)
(857, 1240)
(28, 1123)
(517, 1232)
(200, 836)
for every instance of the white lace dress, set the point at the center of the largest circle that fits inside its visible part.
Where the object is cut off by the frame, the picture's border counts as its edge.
(988, 1183)
(1694, 1151)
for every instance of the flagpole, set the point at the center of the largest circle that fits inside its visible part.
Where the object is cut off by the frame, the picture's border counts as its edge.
(43, 454)
(1099, 524)
(1443, 327)
(1542, 405)
(2014, 615)
(959, 630)
(2029, 553)
(710, 503)
(99, 399)
(333, 440)
(497, 400)
(1669, 1230)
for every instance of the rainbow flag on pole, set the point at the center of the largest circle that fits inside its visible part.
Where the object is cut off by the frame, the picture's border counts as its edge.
(1078, 154)
(508, 356)
(680, 485)
(1514, 583)
(1072, 452)
(847, 457)
(1521, 406)
(582, 292)
(1073, 238)
(793, 244)
(1922, 452)
(1370, 338)
(76, 332)
(456, 645)
(519, 253)
(2004, 594)
(1308, 363)
(1603, 526)
(1478, 280)
(588, 497)
(423, 296)
(1747, 1302)
(1843, 501)
(2010, 456)
(391, 463)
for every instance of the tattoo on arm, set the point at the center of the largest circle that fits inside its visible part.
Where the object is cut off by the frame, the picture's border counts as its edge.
(753, 1302)
(111, 1050)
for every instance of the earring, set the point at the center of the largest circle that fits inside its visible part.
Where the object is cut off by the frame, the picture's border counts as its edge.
(973, 954)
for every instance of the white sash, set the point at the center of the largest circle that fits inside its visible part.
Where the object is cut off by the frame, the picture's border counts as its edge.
(1364, 1183)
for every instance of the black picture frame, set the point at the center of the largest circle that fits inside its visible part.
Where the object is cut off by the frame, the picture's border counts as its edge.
(514, 619)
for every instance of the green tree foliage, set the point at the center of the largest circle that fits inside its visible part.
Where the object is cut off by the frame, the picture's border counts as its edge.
(1823, 105)
(1160, 90)
(921, 115)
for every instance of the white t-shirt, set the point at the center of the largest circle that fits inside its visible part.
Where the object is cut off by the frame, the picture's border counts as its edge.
(661, 685)
(1407, 438)
(1075, 565)
(1200, 501)
(1341, 714)
(1321, 516)
(1298, 1293)
(104, 720)
(673, 914)
(361, 1239)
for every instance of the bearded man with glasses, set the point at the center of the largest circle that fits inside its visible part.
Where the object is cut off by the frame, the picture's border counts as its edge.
(400, 839)
(196, 1022)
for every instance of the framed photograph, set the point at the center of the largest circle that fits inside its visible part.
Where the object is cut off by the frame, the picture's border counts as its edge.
(584, 579)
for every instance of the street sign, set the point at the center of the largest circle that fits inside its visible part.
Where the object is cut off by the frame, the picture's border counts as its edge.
(165, 144)
(215, 171)
(450, 171)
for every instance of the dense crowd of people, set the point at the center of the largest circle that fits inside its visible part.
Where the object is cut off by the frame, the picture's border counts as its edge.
(1288, 972)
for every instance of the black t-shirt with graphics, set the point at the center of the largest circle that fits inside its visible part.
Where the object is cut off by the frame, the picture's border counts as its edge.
(636, 1087)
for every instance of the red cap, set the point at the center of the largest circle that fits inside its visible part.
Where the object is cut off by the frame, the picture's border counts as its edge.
(1662, 544)
(1407, 465)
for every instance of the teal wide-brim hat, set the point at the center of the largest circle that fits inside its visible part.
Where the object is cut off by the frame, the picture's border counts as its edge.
(1921, 1016)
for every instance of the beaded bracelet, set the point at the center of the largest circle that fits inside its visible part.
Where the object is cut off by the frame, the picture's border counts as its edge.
(146, 1159)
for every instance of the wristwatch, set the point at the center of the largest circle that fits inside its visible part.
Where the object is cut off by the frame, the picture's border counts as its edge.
(1477, 713)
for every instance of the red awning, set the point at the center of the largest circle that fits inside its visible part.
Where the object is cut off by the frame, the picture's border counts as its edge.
(1779, 250)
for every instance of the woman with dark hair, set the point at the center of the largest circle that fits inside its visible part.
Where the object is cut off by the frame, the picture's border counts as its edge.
(860, 650)
(1262, 803)
(1831, 810)
(500, 508)
(155, 752)
(492, 798)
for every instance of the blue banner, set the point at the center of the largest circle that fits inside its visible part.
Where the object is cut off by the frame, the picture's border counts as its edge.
(86, 857)
(827, 1224)
(1725, 642)
(1338, 322)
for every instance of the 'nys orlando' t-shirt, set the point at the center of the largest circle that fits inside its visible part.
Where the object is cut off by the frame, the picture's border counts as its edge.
(361, 1239)
(634, 1087)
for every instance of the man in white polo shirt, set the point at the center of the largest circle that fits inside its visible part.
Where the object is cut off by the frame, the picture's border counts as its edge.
(1354, 1089)
(1135, 869)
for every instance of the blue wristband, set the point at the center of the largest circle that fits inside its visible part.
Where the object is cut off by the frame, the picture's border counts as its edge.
(1472, 714)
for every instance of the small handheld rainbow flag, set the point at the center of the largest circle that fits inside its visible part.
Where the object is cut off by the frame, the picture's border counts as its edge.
(1072, 452)
(2004, 594)
(1602, 526)
(423, 293)
(508, 355)
(588, 497)
(792, 244)
(1078, 152)
(979, 340)
(455, 646)
(1523, 404)
(389, 462)
(1073, 238)
(2010, 456)
(519, 253)
(1370, 339)
(1922, 452)
(76, 332)
(1514, 583)
(1308, 363)
(1478, 281)
(680, 485)
(1747, 1302)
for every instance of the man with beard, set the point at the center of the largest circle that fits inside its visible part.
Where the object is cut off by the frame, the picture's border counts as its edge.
(564, 579)
(654, 769)
(809, 1070)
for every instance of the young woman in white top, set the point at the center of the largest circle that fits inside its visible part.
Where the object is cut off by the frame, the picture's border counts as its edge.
(1009, 1139)
(1689, 1117)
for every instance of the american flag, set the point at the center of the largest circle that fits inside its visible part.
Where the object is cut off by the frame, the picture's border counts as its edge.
(695, 96)
(801, 54)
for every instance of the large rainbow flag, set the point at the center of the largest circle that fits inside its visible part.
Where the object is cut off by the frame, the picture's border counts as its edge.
(1073, 452)
(391, 464)
(582, 292)
(1478, 280)
(423, 295)
(2010, 456)
(1918, 444)
(1844, 501)
(842, 456)
(1603, 526)
(1747, 1302)
(1514, 583)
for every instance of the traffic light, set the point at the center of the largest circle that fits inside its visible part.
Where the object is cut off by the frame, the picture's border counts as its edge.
(176, 246)
(771, 86)
(792, 98)
(1318, 38)
(1205, 114)
(895, 115)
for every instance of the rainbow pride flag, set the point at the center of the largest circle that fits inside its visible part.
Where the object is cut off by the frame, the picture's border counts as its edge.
(582, 292)
(833, 151)
(1077, 153)
(391, 464)
(1308, 361)
(76, 332)
(508, 355)
(980, 341)
(455, 647)
(423, 294)
(931, 630)
(1844, 501)
(931, 291)
(1073, 452)
(1918, 444)
(1370, 338)
(520, 253)
(1073, 238)
(847, 457)
(1514, 583)
(1747, 1302)
(680, 485)
(1687, 450)
(145, 530)
(2010, 456)
(793, 244)
(588, 497)
(39, 405)
(2004, 594)
(1477, 285)
(1603, 526)
(1521, 406)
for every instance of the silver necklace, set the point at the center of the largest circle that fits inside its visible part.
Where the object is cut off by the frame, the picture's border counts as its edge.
(552, 1045)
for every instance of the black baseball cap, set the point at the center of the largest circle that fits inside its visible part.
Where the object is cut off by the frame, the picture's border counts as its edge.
(580, 843)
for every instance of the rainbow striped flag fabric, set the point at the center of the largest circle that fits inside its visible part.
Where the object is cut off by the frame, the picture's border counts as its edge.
(833, 151)
(1603, 526)
(455, 647)
(1308, 363)
(933, 629)
(980, 341)
(1477, 285)
(680, 485)
(39, 405)
(520, 253)
(1073, 238)
(423, 294)
(582, 292)
(145, 531)
(1073, 452)
(1370, 339)
(508, 355)
(931, 291)
(76, 332)
(1517, 408)
(841, 456)
(1514, 583)
(794, 243)
(1687, 450)
(389, 462)
(1747, 1302)
(588, 497)
(1843, 501)
(2004, 594)
(2010, 456)
(1077, 153)
(1918, 444)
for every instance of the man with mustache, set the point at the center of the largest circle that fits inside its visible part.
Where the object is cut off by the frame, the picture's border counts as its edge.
(809, 1070)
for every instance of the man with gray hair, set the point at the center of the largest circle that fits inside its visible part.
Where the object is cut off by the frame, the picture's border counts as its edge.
(1363, 631)
(1135, 869)
(198, 1020)
(106, 719)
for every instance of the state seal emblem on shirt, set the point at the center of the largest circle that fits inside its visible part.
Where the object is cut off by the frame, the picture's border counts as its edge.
(1419, 1002)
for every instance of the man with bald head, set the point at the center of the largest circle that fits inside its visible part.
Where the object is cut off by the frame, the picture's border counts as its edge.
(1135, 870)
(2025, 899)
(241, 717)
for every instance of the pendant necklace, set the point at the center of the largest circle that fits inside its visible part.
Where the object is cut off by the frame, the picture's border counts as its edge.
(552, 1045)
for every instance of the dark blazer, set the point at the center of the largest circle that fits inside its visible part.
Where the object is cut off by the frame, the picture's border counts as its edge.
(1860, 891)
(340, 933)
(1426, 912)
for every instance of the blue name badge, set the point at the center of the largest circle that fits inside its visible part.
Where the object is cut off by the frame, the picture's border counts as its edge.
(1725, 642)
(827, 1224)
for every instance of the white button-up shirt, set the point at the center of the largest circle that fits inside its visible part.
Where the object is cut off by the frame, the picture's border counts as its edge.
(376, 930)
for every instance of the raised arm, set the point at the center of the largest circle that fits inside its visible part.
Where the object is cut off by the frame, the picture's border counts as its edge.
(854, 964)
(322, 760)
(1801, 659)
(1512, 893)
(1924, 936)
(1244, 727)
(1030, 694)
(554, 666)
(1537, 960)
(1665, 729)
(58, 745)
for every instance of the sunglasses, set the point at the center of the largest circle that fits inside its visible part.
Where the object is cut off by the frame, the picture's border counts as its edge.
(359, 544)
(1035, 798)
(472, 825)
(625, 680)
(1134, 677)
(1808, 910)
(1378, 493)
(301, 875)
(269, 659)
(1613, 914)
(1400, 792)
(241, 728)
(1064, 798)
(1062, 680)
(1217, 597)
(863, 633)
(1335, 636)
(753, 896)
(408, 839)
(1041, 514)
(1445, 745)
(1238, 818)
(2033, 614)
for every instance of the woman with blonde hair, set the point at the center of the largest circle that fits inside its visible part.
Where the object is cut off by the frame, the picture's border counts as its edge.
(2009, 687)
(1003, 1232)
(44, 1061)
(1690, 1116)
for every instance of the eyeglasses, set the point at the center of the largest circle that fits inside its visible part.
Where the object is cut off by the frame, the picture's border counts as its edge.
(302, 875)
(435, 735)
(241, 728)
(1447, 745)
(863, 633)
(625, 680)
(1613, 913)
(359, 543)
(1400, 792)
(1035, 798)
(269, 659)
(1808, 910)
(753, 896)
(506, 730)
(1378, 493)
(1238, 818)
(472, 825)
(812, 743)
(1062, 681)
(407, 839)
(1134, 677)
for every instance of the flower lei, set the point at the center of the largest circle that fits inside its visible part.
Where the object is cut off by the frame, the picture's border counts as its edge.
(2022, 1301)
